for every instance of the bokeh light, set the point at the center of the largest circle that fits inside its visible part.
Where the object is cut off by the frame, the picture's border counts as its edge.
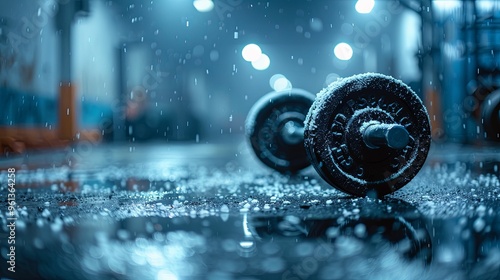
(332, 77)
(262, 63)
(279, 82)
(343, 51)
(365, 6)
(251, 52)
(203, 6)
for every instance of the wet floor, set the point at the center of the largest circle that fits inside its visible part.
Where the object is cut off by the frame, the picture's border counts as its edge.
(205, 211)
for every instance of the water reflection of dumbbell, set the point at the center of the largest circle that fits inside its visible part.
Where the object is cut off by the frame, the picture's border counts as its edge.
(391, 227)
(366, 133)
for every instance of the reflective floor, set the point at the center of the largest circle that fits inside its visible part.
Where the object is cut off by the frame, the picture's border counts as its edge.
(202, 211)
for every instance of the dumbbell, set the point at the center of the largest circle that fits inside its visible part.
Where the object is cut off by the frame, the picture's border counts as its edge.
(484, 106)
(368, 133)
(490, 114)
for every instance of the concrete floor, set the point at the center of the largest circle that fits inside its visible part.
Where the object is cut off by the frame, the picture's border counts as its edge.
(202, 211)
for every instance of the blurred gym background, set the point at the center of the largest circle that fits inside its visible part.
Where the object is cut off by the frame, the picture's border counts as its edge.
(181, 70)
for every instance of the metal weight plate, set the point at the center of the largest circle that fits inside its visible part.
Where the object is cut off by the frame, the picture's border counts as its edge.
(334, 140)
(267, 120)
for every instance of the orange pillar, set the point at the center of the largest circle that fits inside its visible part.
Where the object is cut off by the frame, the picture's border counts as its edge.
(67, 112)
